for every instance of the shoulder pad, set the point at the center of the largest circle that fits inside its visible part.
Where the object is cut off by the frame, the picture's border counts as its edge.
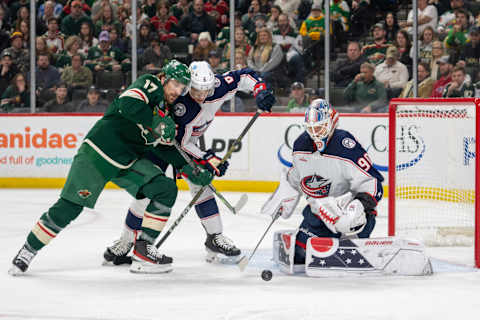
(185, 109)
(304, 143)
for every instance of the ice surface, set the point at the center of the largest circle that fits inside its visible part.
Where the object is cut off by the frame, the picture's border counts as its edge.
(66, 279)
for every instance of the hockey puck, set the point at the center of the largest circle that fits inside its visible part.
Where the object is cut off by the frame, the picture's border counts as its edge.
(267, 275)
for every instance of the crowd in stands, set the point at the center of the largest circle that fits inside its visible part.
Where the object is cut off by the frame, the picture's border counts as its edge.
(83, 48)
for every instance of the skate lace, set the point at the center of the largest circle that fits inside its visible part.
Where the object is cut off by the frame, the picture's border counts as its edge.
(121, 247)
(152, 250)
(25, 255)
(224, 242)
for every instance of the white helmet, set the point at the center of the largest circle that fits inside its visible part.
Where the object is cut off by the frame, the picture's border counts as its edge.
(202, 76)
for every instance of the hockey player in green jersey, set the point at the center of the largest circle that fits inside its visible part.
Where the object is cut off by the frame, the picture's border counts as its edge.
(113, 150)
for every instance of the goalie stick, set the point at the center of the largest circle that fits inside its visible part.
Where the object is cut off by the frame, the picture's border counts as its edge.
(234, 209)
(200, 192)
(242, 264)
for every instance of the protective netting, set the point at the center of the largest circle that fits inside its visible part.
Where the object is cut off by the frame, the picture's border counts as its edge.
(435, 173)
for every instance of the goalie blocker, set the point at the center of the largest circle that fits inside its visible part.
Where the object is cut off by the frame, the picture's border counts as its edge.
(326, 257)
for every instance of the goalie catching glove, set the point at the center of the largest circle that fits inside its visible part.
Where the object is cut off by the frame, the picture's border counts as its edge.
(197, 175)
(341, 215)
(212, 163)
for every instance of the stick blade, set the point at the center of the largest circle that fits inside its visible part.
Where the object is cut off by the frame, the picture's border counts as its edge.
(242, 264)
(241, 203)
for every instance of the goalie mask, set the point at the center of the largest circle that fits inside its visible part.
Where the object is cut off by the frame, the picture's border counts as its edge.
(320, 121)
(203, 81)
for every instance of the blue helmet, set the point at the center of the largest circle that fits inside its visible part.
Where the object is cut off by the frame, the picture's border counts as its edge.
(321, 119)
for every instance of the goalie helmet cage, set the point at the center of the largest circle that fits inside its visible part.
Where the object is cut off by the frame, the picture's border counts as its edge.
(434, 149)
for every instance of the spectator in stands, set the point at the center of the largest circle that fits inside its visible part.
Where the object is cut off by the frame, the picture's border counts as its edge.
(445, 73)
(361, 18)
(427, 16)
(196, 22)
(117, 42)
(425, 45)
(392, 73)
(404, 45)
(375, 52)
(300, 100)
(240, 43)
(55, 40)
(7, 70)
(60, 102)
(340, 15)
(457, 36)
(155, 56)
(247, 19)
(272, 20)
(15, 6)
(20, 56)
(218, 9)
(265, 6)
(103, 58)
(68, 8)
(214, 59)
(203, 47)
(107, 20)
(87, 38)
(265, 56)
(437, 53)
(425, 83)
(5, 25)
(23, 14)
(16, 95)
(42, 48)
(23, 27)
(49, 9)
(47, 78)
(291, 44)
(469, 57)
(164, 23)
(447, 19)
(260, 21)
(459, 87)
(143, 38)
(93, 102)
(71, 24)
(345, 69)
(72, 46)
(313, 33)
(365, 92)
(45, 13)
(99, 4)
(223, 37)
(77, 76)
(240, 59)
(391, 26)
(289, 7)
(181, 9)
(150, 8)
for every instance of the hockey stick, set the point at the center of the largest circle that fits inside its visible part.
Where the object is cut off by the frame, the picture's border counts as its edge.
(234, 209)
(200, 192)
(242, 264)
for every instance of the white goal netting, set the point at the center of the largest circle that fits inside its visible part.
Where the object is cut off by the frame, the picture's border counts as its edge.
(435, 173)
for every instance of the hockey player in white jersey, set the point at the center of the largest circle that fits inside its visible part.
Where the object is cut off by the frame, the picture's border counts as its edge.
(193, 114)
(336, 175)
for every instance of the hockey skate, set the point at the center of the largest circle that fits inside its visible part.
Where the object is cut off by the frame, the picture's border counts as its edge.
(221, 249)
(22, 260)
(116, 254)
(147, 259)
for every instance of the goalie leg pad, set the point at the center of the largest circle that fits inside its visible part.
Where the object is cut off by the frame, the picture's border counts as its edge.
(375, 256)
(284, 251)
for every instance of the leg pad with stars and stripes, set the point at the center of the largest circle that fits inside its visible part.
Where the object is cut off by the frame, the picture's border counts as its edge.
(327, 257)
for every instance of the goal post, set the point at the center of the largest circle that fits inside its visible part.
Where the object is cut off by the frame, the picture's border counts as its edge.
(434, 172)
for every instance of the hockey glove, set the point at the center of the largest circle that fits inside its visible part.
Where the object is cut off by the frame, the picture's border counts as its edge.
(197, 175)
(263, 97)
(212, 164)
(164, 130)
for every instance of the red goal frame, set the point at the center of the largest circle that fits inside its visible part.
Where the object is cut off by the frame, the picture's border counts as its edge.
(391, 161)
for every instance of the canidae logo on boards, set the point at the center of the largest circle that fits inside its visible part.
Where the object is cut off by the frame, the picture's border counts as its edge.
(38, 139)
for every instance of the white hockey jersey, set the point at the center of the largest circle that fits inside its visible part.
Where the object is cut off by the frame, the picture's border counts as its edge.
(194, 119)
(343, 166)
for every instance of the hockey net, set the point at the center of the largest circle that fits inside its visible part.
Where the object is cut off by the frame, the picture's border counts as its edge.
(432, 146)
